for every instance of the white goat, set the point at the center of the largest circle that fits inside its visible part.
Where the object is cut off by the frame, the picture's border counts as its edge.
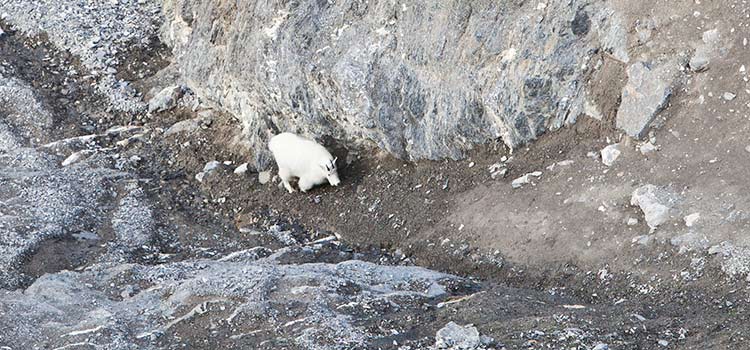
(305, 159)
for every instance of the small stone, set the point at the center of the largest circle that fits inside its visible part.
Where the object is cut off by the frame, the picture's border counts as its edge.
(74, 158)
(453, 336)
(471, 165)
(691, 219)
(711, 36)
(525, 179)
(241, 170)
(699, 62)
(498, 170)
(632, 221)
(642, 240)
(728, 96)
(655, 202)
(601, 346)
(742, 69)
(610, 154)
(647, 92)
(647, 148)
(264, 177)
(207, 169)
(663, 342)
(165, 100)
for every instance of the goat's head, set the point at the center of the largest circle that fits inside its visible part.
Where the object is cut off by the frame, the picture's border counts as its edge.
(331, 172)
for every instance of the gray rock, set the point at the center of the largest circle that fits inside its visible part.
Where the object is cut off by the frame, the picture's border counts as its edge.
(655, 202)
(646, 94)
(705, 51)
(209, 168)
(429, 85)
(264, 177)
(691, 219)
(184, 126)
(133, 306)
(241, 170)
(165, 100)
(610, 154)
(456, 337)
(647, 148)
(728, 96)
(525, 179)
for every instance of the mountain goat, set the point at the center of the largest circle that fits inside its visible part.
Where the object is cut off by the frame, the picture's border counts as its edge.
(305, 159)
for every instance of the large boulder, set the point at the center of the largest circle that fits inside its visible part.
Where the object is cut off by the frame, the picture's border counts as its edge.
(418, 80)
(240, 301)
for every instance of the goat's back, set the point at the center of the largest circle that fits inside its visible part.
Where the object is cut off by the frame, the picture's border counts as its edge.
(297, 153)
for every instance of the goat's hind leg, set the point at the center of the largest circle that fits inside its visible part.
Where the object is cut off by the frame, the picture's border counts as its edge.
(285, 178)
(305, 184)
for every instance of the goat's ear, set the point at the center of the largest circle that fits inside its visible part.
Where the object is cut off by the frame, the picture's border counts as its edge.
(334, 160)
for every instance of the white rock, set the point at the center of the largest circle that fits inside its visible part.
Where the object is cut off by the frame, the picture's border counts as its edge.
(663, 342)
(642, 240)
(728, 96)
(647, 148)
(207, 169)
(610, 154)
(525, 179)
(165, 100)
(453, 336)
(76, 157)
(691, 219)
(601, 346)
(498, 170)
(711, 36)
(632, 221)
(241, 169)
(264, 177)
(655, 204)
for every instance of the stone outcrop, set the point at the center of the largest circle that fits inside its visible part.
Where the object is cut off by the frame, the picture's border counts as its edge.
(240, 298)
(422, 81)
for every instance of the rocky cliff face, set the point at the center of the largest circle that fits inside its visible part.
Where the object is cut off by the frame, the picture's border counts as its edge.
(422, 81)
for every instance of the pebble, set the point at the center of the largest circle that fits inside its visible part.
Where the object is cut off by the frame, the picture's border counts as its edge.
(632, 221)
(241, 170)
(525, 179)
(601, 346)
(691, 219)
(610, 154)
(647, 148)
(728, 96)
(264, 177)
(663, 342)
(498, 169)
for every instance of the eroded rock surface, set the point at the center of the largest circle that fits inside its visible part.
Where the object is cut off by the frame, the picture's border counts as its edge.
(422, 81)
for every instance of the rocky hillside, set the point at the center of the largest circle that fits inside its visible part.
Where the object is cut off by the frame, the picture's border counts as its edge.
(515, 175)
(421, 81)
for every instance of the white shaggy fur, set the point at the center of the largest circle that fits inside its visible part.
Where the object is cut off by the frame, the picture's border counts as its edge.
(305, 159)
